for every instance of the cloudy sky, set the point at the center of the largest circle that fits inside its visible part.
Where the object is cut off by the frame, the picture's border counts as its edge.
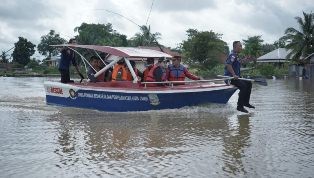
(235, 19)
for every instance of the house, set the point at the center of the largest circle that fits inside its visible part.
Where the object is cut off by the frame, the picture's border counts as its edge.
(53, 61)
(278, 56)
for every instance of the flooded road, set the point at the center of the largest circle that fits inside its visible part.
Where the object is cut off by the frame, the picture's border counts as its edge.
(274, 140)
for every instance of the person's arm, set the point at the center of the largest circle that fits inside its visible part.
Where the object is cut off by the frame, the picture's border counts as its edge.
(231, 58)
(189, 75)
(230, 69)
(90, 75)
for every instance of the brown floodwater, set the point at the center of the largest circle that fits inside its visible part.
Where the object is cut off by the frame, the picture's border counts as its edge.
(274, 140)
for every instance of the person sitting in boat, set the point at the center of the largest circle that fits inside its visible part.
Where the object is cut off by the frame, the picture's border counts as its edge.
(138, 73)
(96, 64)
(157, 73)
(108, 72)
(177, 72)
(149, 65)
(120, 71)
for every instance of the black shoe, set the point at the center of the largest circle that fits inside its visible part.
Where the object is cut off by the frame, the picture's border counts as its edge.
(241, 108)
(249, 106)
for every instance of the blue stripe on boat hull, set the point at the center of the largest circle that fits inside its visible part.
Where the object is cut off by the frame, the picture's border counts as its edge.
(121, 102)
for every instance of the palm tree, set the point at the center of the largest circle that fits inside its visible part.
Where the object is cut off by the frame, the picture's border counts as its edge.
(145, 37)
(301, 42)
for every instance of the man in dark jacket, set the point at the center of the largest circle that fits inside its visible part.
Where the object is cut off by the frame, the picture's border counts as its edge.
(68, 56)
(232, 68)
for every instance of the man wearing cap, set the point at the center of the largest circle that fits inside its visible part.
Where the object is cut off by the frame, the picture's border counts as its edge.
(177, 72)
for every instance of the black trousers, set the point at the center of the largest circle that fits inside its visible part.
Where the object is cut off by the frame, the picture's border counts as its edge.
(65, 76)
(245, 88)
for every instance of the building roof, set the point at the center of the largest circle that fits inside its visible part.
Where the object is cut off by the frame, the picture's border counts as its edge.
(277, 55)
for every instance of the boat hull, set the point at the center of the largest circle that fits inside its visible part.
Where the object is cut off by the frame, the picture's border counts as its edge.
(123, 100)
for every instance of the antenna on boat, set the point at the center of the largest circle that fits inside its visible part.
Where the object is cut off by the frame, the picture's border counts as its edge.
(120, 16)
(135, 22)
(151, 7)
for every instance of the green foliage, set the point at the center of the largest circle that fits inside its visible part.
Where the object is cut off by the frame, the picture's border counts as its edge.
(267, 70)
(280, 43)
(212, 72)
(253, 46)
(4, 57)
(23, 51)
(145, 37)
(50, 70)
(301, 41)
(203, 50)
(266, 48)
(33, 64)
(251, 72)
(51, 38)
(99, 34)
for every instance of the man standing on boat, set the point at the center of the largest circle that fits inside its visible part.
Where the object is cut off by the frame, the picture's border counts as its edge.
(68, 56)
(232, 69)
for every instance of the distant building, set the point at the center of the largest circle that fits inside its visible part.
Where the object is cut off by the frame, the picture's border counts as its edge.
(276, 56)
(53, 61)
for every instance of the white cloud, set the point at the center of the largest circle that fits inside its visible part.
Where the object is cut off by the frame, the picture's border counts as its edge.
(235, 19)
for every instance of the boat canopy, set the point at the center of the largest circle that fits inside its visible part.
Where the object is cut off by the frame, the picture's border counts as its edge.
(128, 52)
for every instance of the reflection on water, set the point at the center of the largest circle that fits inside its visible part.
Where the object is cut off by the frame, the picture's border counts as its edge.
(275, 140)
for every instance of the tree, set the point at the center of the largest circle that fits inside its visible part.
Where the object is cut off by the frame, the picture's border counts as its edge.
(280, 43)
(23, 50)
(51, 38)
(4, 57)
(266, 48)
(145, 37)
(203, 50)
(253, 46)
(99, 34)
(301, 42)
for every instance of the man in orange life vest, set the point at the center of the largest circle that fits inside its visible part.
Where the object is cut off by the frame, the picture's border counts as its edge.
(149, 65)
(157, 73)
(177, 72)
(96, 65)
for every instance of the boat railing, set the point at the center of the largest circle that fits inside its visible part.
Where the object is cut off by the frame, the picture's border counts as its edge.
(173, 83)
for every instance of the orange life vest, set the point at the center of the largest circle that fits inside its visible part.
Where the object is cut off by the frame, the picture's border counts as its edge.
(119, 73)
(151, 78)
(146, 71)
